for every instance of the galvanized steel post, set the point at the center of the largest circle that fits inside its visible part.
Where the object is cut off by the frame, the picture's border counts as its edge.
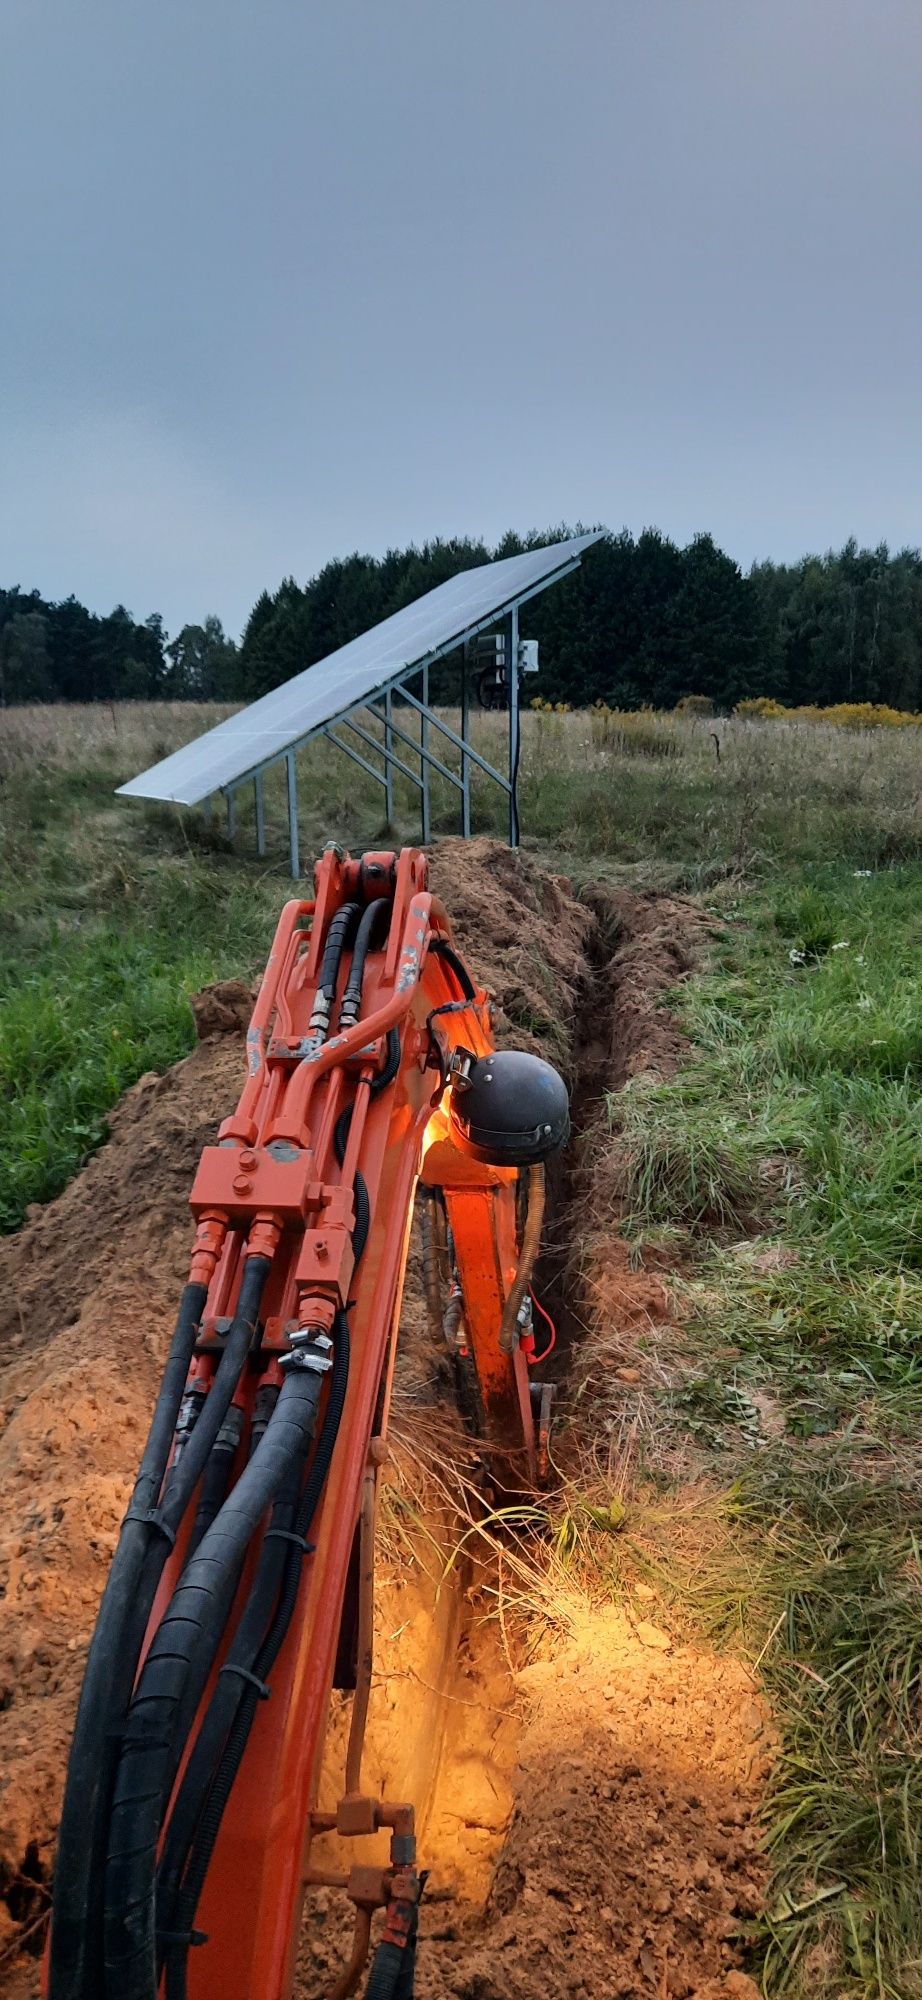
(465, 760)
(424, 762)
(293, 814)
(260, 814)
(512, 679)
(388, 766)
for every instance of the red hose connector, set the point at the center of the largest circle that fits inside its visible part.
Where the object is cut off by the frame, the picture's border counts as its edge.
(264, 1237)
(209, 1242)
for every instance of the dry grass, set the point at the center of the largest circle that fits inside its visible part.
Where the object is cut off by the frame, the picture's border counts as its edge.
(75, 736)
(709, 792)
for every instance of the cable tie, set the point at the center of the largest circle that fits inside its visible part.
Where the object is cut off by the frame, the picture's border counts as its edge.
(289, 1535)
(186, 1938)
(244, 1674)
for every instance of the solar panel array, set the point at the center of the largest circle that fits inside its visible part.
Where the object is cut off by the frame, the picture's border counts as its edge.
(422, 631)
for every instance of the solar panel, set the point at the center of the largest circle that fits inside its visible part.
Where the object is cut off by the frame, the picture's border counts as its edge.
(421, 632)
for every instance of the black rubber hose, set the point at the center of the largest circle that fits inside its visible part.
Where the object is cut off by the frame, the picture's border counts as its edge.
(170, 1686)
(343, 925)
(393, 1966)
(371, 917)
(75, 1965)
(210, 1824)
(442, 949)
(242, 1654)
(184, 1476)
(391, 1063)
(216, 1477)
(386, 1968)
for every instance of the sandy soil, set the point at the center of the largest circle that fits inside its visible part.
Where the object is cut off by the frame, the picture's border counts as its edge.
(589, 1815)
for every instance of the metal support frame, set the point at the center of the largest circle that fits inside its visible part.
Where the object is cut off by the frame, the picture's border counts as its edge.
(231, 798)
(512, 683)
(380, 704)
(388, 747)
(419, 747)
(391, 757)
(425, 815)
(432, 760)
(458, 741)
(355, 756)
(292, 777)
(465, 761)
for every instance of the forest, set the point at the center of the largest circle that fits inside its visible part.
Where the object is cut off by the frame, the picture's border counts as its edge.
(642, 622)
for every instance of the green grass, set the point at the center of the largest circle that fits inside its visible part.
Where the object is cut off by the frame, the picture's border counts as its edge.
(91, 1000)
(786, 1162)
(113, 914)
(103, 941)
(845, 1673)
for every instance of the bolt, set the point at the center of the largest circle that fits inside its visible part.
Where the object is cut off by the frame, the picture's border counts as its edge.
(248, 1159)
(242, 1185)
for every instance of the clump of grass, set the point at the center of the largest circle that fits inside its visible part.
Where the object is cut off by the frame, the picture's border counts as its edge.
(845, 1669)
(676, 1166)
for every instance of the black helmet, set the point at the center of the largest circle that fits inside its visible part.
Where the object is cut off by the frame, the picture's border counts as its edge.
(509, 1109)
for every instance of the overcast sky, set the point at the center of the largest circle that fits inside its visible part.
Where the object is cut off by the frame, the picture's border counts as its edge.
(285, 278)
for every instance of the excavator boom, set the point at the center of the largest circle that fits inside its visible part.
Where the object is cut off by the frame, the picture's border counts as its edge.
(241, 1586)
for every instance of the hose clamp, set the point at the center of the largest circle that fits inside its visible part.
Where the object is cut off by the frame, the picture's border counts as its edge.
(310, 1350)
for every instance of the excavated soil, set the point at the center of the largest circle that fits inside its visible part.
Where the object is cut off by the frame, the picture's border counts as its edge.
(587, 1799)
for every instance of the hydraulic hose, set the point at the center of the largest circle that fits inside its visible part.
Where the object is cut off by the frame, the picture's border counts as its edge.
(386, 1968)
(531, 1243)
(232, 1757)
(352, 997)
(75, 1967)
(216, 1477)
(433, 1233)
(342, 928)
(442, 949)
(394, 1965)
(170, 1687)
(241, 1659)
(185, 1473)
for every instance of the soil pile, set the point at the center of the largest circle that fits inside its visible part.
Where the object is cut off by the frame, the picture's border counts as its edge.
(632, 1858)
(88, 1291)
(526, 936)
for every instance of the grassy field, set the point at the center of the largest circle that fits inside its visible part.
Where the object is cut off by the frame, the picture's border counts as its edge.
(783, 1166)
(113, 913)
(780, 1169)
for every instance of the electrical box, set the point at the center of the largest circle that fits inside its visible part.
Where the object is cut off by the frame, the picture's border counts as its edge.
(490, 649)
(528, 656)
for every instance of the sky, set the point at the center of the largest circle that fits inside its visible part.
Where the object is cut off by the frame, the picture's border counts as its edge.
(288, 278)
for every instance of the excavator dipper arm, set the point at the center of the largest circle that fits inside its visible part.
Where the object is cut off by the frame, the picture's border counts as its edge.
(189, 1811)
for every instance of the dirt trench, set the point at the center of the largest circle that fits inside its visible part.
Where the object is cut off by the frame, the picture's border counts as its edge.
(587, 1788)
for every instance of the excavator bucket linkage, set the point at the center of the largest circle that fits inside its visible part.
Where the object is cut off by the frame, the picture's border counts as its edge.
(245, 1559)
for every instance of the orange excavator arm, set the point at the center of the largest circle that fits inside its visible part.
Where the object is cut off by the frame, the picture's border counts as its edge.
(190, 1805)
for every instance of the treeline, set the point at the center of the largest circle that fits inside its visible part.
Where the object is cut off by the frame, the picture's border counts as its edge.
(63, 652)
(642, 621)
